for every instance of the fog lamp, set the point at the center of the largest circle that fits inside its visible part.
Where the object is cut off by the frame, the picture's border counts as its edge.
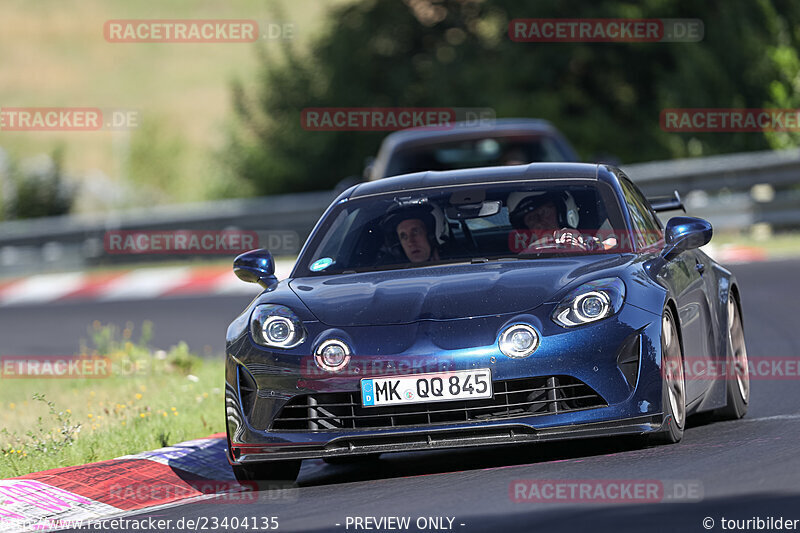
(332, 355)
(519, 340)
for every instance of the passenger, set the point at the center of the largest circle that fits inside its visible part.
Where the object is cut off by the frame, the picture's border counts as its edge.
(414, 229)
(514, 156)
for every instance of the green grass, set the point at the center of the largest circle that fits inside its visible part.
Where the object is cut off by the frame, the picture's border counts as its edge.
(55, 54)
(153, 399)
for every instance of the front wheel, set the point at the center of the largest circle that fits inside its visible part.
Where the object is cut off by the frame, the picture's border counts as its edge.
(673, 383)
(269, 473)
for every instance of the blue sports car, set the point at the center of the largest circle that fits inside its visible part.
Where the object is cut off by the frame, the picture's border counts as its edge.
(482, 307)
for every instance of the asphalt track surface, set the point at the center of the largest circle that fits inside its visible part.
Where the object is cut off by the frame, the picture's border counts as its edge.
(734, 470)
(59, 328)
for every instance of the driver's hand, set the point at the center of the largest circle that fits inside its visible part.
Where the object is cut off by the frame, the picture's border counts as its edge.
(566, 237)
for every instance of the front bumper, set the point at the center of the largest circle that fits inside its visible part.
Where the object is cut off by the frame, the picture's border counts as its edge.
(590, 353)
(500, 435)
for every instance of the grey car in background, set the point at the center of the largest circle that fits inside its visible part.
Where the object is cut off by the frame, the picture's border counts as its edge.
(498, 142)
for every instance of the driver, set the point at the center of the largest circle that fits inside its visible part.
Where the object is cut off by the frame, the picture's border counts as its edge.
(548, 219)
(414, 229)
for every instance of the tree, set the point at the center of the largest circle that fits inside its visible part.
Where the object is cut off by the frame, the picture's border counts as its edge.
(605, 97)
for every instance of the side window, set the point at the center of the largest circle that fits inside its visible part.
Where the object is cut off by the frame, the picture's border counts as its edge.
(647, 229)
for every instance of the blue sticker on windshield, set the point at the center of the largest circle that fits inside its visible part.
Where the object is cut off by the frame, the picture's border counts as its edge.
(321, 264)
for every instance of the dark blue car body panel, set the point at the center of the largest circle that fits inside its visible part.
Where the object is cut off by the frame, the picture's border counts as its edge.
(448, 317)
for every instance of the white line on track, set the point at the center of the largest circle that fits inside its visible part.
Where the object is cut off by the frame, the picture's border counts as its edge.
(769, 418)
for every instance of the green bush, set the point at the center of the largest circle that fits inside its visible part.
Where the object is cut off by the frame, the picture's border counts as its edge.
(39, 191)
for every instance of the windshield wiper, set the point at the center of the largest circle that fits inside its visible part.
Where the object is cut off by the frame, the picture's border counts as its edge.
(477, 260)
(518, 257)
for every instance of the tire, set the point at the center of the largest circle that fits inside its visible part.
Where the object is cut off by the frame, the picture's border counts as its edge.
(268, 475)
(673, 384)
(351, 459)
(737, 376)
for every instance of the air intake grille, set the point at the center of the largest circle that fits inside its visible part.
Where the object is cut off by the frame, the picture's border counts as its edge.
(512, 399)
(247, 390)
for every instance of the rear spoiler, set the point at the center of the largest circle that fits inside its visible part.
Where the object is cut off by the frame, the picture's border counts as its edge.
(667, 203)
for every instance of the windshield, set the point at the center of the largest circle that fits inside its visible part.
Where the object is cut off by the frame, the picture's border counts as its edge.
(466, 223)
(482, 152)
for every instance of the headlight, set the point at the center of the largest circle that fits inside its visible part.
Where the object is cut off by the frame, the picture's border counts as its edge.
(519, 340)
(590, 302)
(276, 326)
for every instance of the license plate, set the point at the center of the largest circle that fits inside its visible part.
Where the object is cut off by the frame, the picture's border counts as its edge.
(423, 388)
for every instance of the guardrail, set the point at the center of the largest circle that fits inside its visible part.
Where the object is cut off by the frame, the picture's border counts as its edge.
(77, 242)
(719, 188)
(733, 191)
(731, 171)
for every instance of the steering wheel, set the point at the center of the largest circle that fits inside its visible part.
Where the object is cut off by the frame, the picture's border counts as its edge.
(562, 240)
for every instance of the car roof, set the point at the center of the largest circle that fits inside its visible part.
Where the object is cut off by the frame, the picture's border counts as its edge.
(532, 171)
(467, 130)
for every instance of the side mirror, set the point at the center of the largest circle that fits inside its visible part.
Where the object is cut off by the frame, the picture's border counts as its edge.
(256, 266)
(685, 233)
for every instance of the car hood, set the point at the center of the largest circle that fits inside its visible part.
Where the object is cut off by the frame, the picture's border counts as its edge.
(442, 292)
